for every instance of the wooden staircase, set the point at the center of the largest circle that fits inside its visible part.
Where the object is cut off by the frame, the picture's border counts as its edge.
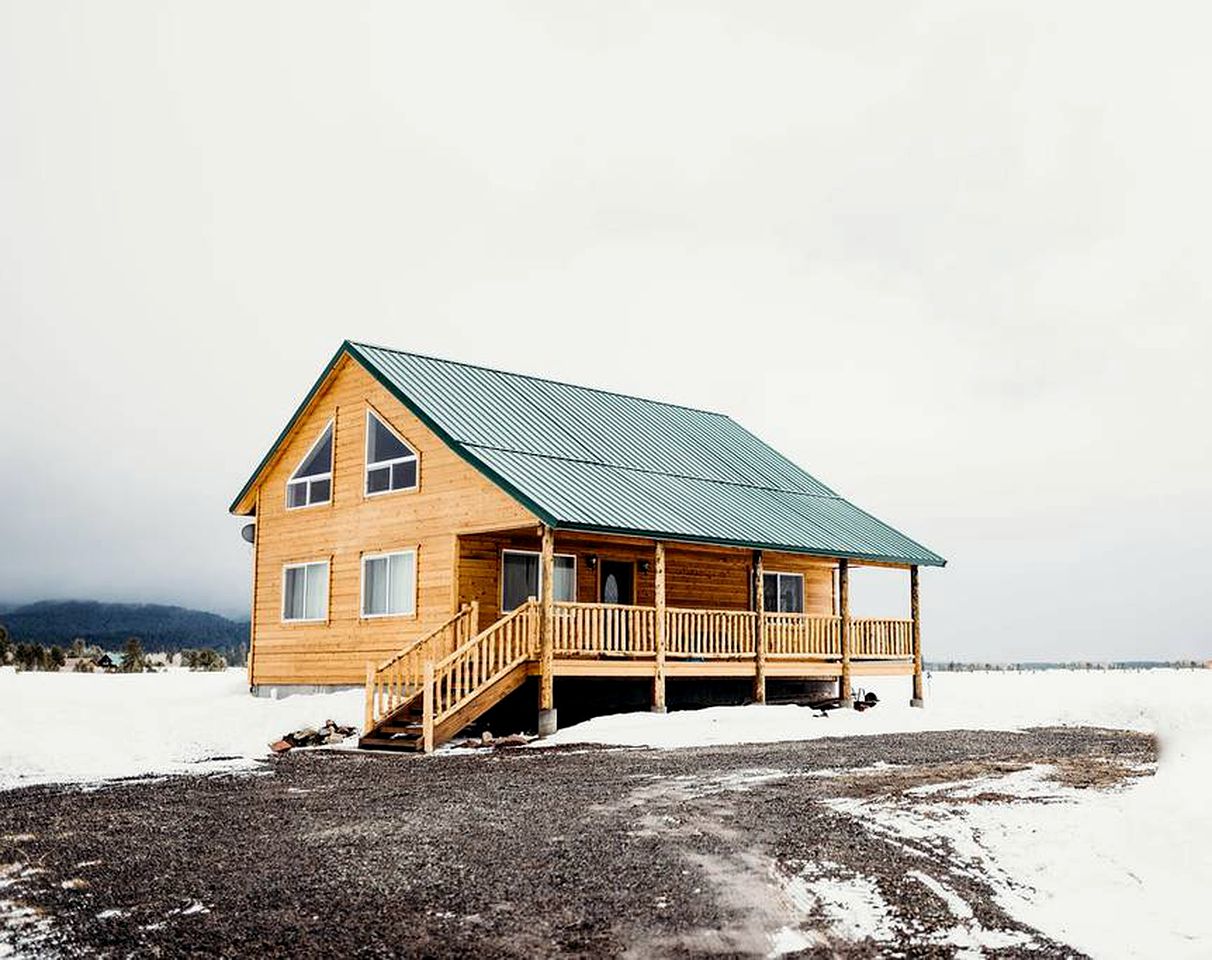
(433, 688)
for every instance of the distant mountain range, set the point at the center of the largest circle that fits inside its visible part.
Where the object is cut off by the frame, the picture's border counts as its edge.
(158, 627)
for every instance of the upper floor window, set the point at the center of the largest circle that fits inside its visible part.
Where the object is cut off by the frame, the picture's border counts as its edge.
(305, 591)
(311, 483)
(391, 464)
(783, 592)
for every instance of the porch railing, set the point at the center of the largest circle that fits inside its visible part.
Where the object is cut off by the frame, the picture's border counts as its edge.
(877, 638)
(399, 678)
(604, 629)
(709, 634)
(796, 635)
(460, 676)
(609, 630)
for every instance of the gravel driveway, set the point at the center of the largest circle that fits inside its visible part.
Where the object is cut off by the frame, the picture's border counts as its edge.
(525, 853)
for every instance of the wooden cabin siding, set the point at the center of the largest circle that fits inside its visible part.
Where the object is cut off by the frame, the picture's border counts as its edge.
(700, 577)
(819, 599)
(452, 497)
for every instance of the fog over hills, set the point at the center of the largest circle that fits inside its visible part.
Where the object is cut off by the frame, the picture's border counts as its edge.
(158, 626)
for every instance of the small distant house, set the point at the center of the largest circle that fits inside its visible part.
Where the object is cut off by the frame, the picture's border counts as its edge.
(109, 661)
(443, 532)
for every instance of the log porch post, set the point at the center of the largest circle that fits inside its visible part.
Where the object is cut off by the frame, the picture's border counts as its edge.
(759, 639)
(843, 598)
(916, 616)
(427, 707)
(369, 719)
(547, 713)
(658, 677)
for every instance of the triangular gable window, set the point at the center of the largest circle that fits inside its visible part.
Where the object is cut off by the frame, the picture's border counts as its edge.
(391, 464)
(311, 483)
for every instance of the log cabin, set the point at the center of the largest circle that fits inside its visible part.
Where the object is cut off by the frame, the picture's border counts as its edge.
(445, 533)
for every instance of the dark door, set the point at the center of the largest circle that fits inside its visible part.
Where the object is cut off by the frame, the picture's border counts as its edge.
(616, 582)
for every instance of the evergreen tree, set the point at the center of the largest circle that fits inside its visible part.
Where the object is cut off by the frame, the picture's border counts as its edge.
(204, 659)
(134, 660)
(29, 656)
(55, 659)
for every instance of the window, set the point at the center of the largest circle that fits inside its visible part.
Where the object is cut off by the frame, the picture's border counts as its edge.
(305, 591)
(311, 483)
(783, 592)
(520, 578)
(390, 463)
(389, 584)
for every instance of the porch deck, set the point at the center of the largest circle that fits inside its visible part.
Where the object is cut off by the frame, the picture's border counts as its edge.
(433, 688)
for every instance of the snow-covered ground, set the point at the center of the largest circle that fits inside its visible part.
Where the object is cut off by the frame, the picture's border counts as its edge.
(1124, 873)
(84, 727)
(1163, 701)
(1121, 873)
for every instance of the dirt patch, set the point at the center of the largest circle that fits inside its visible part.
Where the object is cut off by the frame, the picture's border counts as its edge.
(1099, 773)
(888, 781)
(736, 851)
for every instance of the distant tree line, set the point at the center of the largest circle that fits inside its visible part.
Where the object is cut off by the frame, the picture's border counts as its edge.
(955, 666)
(160, 627)
(85, 657)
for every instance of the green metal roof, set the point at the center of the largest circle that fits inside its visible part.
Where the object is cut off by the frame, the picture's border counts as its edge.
(588, 459)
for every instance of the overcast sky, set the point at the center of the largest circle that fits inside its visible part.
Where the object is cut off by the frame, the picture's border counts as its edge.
(953, 258)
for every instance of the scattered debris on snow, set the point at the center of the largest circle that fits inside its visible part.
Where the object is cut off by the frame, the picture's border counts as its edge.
(486, 739)
(329, 734)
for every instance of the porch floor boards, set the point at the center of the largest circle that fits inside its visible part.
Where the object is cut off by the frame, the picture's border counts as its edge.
(805, 668)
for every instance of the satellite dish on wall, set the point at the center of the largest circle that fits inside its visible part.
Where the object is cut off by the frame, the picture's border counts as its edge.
(249, 532)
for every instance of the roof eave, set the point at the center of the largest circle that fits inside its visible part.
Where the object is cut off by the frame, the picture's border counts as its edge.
(541, 513)
(934, 560)
(245, 500)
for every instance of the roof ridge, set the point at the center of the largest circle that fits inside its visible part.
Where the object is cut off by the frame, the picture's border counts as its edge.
(832, 495)
(538, 379)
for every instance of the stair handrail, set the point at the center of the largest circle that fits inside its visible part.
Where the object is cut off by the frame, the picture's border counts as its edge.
(456, 679)
(398, 678)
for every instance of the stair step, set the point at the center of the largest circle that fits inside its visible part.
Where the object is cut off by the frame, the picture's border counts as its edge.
(402, 744)
(411, 729)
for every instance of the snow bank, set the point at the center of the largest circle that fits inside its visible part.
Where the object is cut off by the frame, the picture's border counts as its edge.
(1148, 700)
(82, 727)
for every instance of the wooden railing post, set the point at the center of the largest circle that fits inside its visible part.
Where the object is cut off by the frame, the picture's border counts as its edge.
(843, 590)
(547, 714)
(759, 639)
(474, 628)
(915, 615)
(369, 722)
(658, 676)
(427, 708)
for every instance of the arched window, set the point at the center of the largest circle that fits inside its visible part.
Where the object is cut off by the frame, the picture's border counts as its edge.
(391, 464)
(311, 483)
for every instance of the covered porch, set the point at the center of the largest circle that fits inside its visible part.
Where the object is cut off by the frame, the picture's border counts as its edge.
(537, 603)
(613, 606)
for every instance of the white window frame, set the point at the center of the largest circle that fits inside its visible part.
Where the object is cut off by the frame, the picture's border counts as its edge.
(302, 564)
(778, 593)
(380, 464)
(290, 481)
(539, 591)
(416, 576)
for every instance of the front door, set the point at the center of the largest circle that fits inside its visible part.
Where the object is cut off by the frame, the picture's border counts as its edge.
(616, 582)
